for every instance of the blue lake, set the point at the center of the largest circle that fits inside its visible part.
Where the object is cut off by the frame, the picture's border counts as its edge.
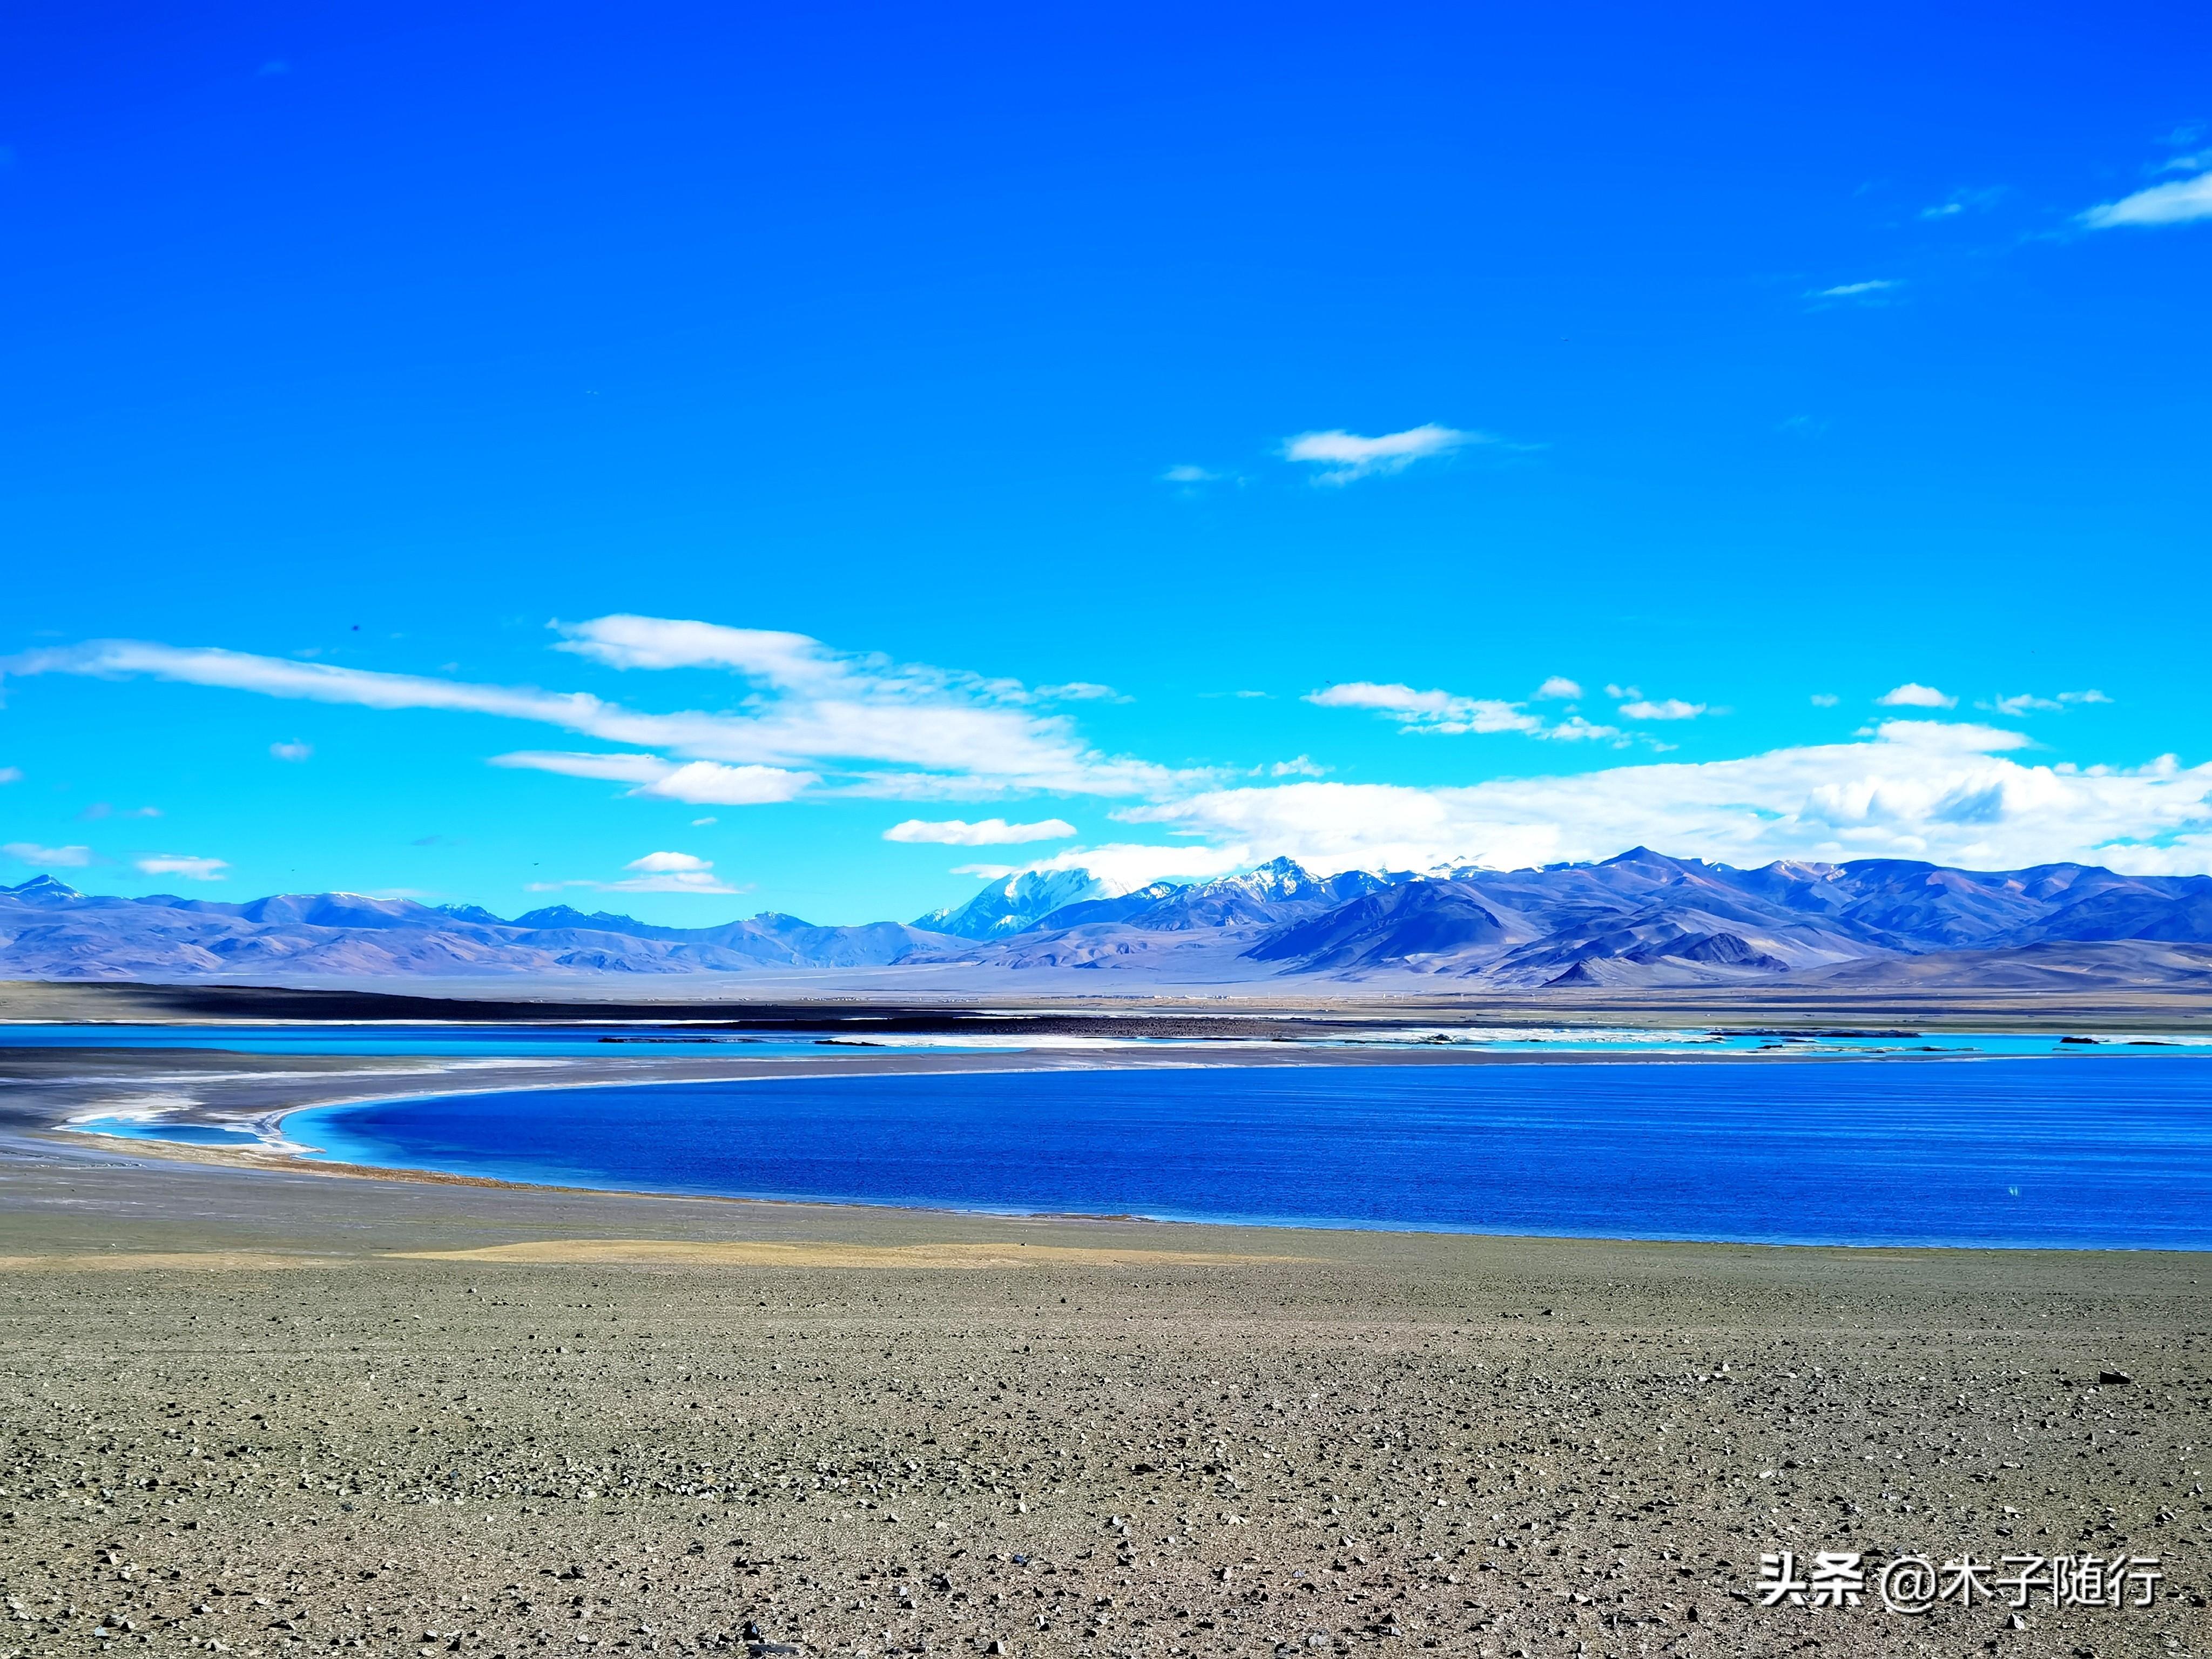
(2088, 1151)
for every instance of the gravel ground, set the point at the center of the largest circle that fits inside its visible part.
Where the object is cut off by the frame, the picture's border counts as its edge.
(266, 1414)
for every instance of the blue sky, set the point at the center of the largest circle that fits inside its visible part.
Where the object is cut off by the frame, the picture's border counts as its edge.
(1207, 434)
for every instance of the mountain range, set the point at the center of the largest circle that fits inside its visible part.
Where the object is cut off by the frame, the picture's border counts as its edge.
(1641, 919)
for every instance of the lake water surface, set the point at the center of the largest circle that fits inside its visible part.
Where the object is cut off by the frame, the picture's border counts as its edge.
(2096, 1150)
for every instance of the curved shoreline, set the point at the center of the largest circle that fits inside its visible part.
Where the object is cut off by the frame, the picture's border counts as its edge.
(1086, 1162)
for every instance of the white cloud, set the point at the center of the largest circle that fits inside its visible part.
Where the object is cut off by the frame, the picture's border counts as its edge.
(1673, 709)
(697, 824)
(865, 724)
(1915, 789)
(1345, 456)
(1559, 686)
(656, 864)
(26, 851)
(11, 774)
(1428, 711)
(292, 751)
(991, 832)
(1825, 700)
(668, 873)
(1575, 728)
(2026, 703)
(2174, 203)
(179, 864)
(1854, 290)
(1298, 766)
(1080, 692)
(1188, 475)
(1450, 715)
(1912, 694)
(1623, 693)
(696, 783)
(710, 783)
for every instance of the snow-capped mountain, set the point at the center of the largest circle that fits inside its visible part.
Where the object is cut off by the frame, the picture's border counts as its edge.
(1018, 902)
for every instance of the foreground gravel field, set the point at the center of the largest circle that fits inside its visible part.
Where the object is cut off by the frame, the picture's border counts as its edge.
(269, 1415)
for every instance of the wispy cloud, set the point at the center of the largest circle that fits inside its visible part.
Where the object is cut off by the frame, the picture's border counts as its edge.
(1963, 202)
(656, 872)
(11, 774)
(66, 858)
(1448, 714)
(1949, 793)
(696, 783)
(1671, 709)
(836, 722)
(991, 832)
(2028, 702)
(179, 864)
(1298, 766)
(292, 751)
(1912, 694)
(1866, 290)
(1343, 456)
(2178, 202)
(1826, 700)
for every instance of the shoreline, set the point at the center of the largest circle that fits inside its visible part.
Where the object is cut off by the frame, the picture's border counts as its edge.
(299, 1156)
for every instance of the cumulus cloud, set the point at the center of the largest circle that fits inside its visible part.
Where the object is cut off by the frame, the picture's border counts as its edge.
(991, 832)
(836, 722)
(29, 852)
(1448, 714)
(1559, 686)
(1298, 766)
(1343, 456)
(2176, 202)
(179, 864)
(1912, 694)
(1917, 789)
(292, 751)
(1672, 708)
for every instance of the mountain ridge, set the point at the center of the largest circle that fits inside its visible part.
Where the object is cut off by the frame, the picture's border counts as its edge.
(1639, 918)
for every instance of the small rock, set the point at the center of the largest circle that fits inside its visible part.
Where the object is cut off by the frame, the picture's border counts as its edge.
(2113, 1379)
